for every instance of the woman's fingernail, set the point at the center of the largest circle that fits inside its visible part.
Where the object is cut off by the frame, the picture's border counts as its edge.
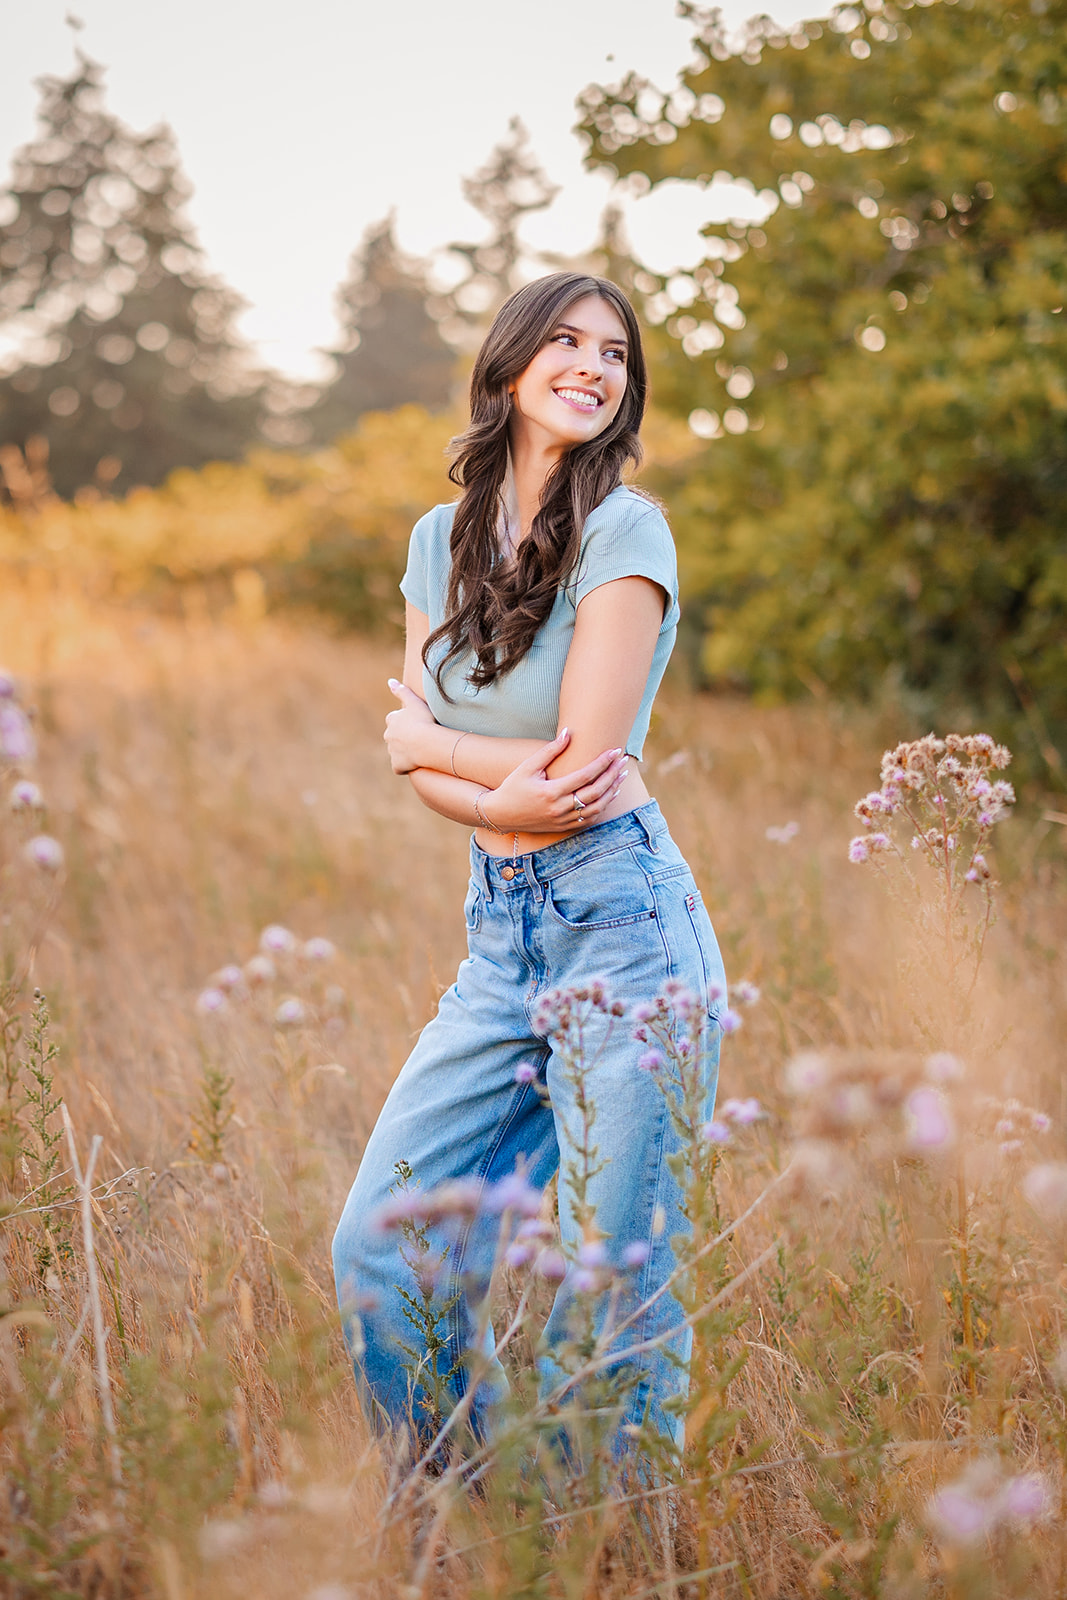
(393, 684)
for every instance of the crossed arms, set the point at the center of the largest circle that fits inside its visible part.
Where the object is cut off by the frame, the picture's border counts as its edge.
(531, 785)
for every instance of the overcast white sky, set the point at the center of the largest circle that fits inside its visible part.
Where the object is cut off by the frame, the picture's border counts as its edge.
(301, 121)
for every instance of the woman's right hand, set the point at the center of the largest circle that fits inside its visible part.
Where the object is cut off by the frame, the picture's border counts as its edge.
(530, 802)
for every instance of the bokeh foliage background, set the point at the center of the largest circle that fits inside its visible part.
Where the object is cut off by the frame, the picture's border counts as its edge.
(861, 401)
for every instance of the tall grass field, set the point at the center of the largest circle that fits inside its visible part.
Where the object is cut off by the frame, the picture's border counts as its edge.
(222, 924)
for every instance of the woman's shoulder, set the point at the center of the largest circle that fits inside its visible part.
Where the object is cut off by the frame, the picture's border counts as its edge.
(627, 509)
(433, 530)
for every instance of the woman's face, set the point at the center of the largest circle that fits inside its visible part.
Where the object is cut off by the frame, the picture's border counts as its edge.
(575, 384)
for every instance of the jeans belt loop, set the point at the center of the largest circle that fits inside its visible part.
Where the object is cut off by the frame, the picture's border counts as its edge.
(646, 827)
(531, 876)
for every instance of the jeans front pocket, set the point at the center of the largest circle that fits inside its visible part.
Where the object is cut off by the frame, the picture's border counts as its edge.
(608, 891)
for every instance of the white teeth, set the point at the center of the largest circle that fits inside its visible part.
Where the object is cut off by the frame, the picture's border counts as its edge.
(579, 398)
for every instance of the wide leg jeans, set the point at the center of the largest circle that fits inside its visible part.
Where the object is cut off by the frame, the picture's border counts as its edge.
(617, 903)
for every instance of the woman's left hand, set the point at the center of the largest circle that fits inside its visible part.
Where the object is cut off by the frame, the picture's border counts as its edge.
(404, 728)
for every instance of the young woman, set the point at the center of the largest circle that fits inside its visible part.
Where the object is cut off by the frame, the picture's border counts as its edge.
(541, 610)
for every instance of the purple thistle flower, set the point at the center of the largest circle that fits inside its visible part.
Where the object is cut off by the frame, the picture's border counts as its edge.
(783, 835)
(44, 852)
(229, 977)
(858, 850)
(16, 736)
(641, 1035)
(961, 1516)
(1040, 1122)
(729, 1021)
(276, 940)
(7, 685)
(942, 1067)
(210, 1001)
(652, 1061)
(319, 949)
(806, 1072)
(743, 1112)
(551, 1266)
(644, 1012)
(585, 1281)
(290, 1013)
(635, 1255)
(716, 992)
(1045, 1187)
(592, 1253)
(746, 993)
(400, 1208)
(1026, 1498)
(519, 1254)
(25, 796)
(931, 1123)
(535, 1228)
(525, 1072)
(717, 1132)
(513, 1193)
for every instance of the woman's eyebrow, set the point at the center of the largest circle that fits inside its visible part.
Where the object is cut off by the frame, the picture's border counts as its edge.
(569, 327)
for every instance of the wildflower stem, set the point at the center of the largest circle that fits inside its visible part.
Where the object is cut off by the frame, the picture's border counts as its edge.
(84, 1181)
(966, 1311)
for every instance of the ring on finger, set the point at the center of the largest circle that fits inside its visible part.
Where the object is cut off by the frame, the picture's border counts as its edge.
(579, 804)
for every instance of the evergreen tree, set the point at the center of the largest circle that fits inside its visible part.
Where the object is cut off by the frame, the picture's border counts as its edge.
(879, 367)
(510, 186)
(391, 351)
(126, 361)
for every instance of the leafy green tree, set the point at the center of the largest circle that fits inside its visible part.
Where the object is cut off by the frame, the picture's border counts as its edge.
(879, 366)
(391, 351)
(127, 363)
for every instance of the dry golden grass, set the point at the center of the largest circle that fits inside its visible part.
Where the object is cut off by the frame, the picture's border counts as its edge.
(207, 778)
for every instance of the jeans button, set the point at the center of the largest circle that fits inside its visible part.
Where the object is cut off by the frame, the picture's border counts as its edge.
(507, 873)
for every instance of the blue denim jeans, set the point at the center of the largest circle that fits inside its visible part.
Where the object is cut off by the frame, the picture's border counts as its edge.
(619, 903)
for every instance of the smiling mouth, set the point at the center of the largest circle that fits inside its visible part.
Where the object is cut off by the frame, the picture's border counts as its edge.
(581, 399)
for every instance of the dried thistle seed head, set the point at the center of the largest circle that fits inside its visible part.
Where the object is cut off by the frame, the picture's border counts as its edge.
(260, 970)
(276, 940)
(291, 1012)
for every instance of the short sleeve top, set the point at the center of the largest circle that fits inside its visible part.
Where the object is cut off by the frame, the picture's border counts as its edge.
(625, 536)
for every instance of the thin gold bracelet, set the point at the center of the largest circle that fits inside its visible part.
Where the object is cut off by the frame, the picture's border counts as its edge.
(481, 816)
(455, 747)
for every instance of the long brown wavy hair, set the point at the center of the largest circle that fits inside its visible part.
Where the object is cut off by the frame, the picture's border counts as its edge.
(493, 608)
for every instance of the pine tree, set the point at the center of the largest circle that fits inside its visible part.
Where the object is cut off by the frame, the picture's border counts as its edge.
(391, 351)
(510, 186)
(128, 365)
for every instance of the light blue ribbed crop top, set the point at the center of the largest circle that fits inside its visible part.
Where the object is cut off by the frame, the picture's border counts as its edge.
(626, 536)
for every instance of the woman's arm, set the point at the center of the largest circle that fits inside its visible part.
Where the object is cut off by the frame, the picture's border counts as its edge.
(510, 771)
(416, 739)
(615, 633)
(604, 679)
